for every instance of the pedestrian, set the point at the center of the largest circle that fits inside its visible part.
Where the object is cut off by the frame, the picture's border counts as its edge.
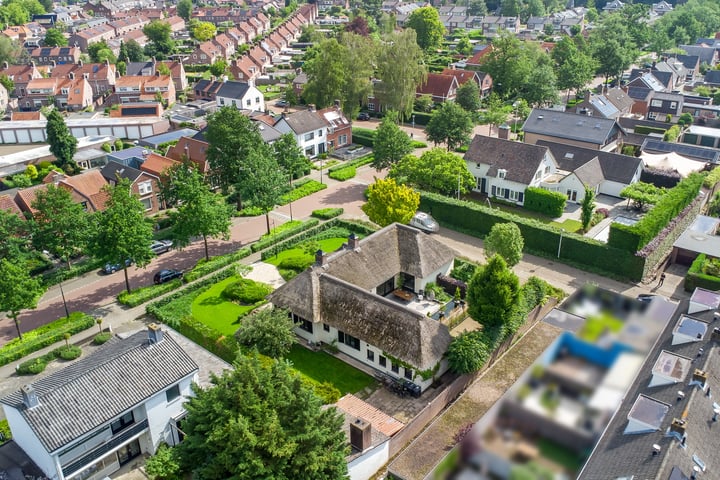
(662, 279)
(412, 135)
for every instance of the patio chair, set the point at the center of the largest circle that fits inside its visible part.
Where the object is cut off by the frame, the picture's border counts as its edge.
(421, 294)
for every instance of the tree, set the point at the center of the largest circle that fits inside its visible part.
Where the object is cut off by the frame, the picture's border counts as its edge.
(436, 170)
(358, 26)
(389, 202)
(587, 208)
(184, 9)
(18, 291)
(54, 38)
(391, 143)
(468, 96)
(100, 51)
(134, 51)
(123, 232)
(63, 144)
(540, 86)
(575, 68)
(424, 103)
(492, 293)
(506, 240)
(203, 31)
(642, 194)
(13, 231)
(326, 73)
(60, 225)
(7, 82)
(160, 43)
(219, 68)
(360, 67)
(510, 8)
(290, 156)
(496, 113)
(463, 46)
(401, 66)
(428, 27)
(450, 125)
(467, 352)
(10, 51)
(164, 465)
(271, 331)
(263, 182)
(510, 63)
(200, 212)
(259, 420)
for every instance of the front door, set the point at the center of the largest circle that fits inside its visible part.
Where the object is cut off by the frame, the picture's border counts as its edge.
(572, 195)
(483, 185)
(128, 452)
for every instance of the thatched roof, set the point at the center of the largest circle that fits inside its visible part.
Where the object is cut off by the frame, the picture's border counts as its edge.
(339, 293)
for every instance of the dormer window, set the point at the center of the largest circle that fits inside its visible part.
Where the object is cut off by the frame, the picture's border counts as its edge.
(501, 173)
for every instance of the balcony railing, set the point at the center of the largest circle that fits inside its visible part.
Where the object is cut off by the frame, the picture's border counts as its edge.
(103, 449)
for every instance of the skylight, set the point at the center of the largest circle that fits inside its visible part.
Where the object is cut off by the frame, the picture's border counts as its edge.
(646, 415)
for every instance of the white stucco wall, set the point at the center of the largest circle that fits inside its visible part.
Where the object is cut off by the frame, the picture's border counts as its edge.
(572, 182)
(420, 283)
(160, 412)
(317, 140)
(26, 439)
(612, 188)
(367, 464)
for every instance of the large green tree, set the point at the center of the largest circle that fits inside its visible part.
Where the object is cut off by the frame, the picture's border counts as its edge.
(506, 240)
(428, 27)
(270, 330)
(391, 143)
(290, 156)
(389, 202)
(60, 225)
(161, 44)
(263, 182)
(18, 290)
(100, 51)
(451, 125)
(54, 38)
(10, 51)
(436, 170)
(401, 67)
(326, 73)
(203, 31)
(492, 293)
(123, 232)
(259, 420)
(184, 9)
(13, 232)
(360, 68)
(540, 87)
(200, 212)
(468, 96)
(63, 144)
(575, 68)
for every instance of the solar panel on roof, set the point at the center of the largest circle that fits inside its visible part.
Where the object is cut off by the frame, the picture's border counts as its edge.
(64, 51)
(45, 51)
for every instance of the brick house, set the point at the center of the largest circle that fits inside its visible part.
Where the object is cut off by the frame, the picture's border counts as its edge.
(143, 184)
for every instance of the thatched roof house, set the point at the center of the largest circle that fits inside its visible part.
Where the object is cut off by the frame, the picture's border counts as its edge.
(346, 291)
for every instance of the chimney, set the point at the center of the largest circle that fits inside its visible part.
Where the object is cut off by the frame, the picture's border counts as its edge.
(319, 258)
(30, 398)
(353, 242)
(678, 426)
(587, 95)
(80, 62)
(155, 333)
(360, 435)
(700, 376)
(53, 63)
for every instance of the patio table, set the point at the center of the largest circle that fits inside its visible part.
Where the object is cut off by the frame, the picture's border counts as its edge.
(403, 294)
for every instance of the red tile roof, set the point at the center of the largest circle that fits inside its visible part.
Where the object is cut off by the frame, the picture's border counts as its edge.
(379, 420)
(437, 85)
(156, 164)
(7, 203)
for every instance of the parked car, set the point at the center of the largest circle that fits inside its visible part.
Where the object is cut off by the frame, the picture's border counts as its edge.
(364, 116)
(424, 222)
(282, 103)
(114, 267)
(161, 246)
(166, 275)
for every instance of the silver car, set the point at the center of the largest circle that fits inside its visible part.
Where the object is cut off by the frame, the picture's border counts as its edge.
(424, 222)
(160, 246)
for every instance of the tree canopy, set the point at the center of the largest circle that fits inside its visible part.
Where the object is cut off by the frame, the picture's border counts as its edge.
(270, 330)
(506, 240)
(493, 292)
(428, 27)
(587, 208)
(259, 421)
(451, 125)
(468, 96)
(54, 38)
(184, 9)
(63, 144)
(203, 31)
(436, 170)
(642, 194)
(391, 143)
(389, 202)
(18, 290)
(401, 67)
(161, 44)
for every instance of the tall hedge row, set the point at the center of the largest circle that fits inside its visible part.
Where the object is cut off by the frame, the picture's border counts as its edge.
(477, 220)
(696, 278)
(632, 238)
(545, 201)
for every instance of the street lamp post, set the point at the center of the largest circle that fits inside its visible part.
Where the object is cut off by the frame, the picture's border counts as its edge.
(515, 109)
(458, 190)
(562, 230)
(62, 294)
(413, 121)
(290, 204)
(321, 168)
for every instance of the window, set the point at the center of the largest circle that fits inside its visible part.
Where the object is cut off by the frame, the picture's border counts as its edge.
(349, 340)
(394, 368)
(302, 323)
(172, 393)
(656, 103)
(652, 115)
(673, 105)
(257, 100)
(371, 355)
(319, 133)
(310, 151)
(145, 187)
(248, 102)
(147, 203)
(309, 136)
(122, 422)
(371, 107)
(408, 373)
(326, 327)
(342, 140)
(383, 361)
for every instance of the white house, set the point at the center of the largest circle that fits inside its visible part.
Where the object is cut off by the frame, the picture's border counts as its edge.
(242, 95)
(309, 128)
(504, 169)
(90, 418)
(368, 300)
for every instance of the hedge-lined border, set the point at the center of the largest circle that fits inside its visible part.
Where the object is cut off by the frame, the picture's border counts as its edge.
(696, 278)
(44, 336)
(477, 220)
(274, 239)
(327, 213)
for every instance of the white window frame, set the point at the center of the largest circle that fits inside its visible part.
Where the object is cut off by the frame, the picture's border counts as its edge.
(145, 188)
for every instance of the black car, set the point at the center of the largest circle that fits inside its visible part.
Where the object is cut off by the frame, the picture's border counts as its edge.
(166, 275)
(364, 116)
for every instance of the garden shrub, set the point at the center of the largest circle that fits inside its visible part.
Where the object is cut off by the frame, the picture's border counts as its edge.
(308, 188)
(363, 136)
(143, 294)
(343, 174)
(712, 178)
(545, 201)
(215, 263)
(33, 367)
(101, 338)
(44, 336)
(297, 263)
(5, 433)
(463, 270)
(70, 352)
(251, 212)
(327, 213)
(644, 130)
(246, 291)
(697, 276)
(274, 239)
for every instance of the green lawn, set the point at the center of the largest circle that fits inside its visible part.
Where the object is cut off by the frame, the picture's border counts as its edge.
(323, 367)
(568, 225)
(558, 454)
(327, 245)
(596, 326)
(215, 312)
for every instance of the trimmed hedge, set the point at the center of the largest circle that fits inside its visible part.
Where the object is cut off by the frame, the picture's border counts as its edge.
(632, 238)
(143, 294)
(712, 178)
(327, 213)
(63, 273)
(477, 220)
(203, 267)
(41, 337)
(343, 174)
(545, 201)
(696, 278)
(264, 243)
(38, 364)
(363, 136)
(643, 130)
(307, 188)
(421, 118)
